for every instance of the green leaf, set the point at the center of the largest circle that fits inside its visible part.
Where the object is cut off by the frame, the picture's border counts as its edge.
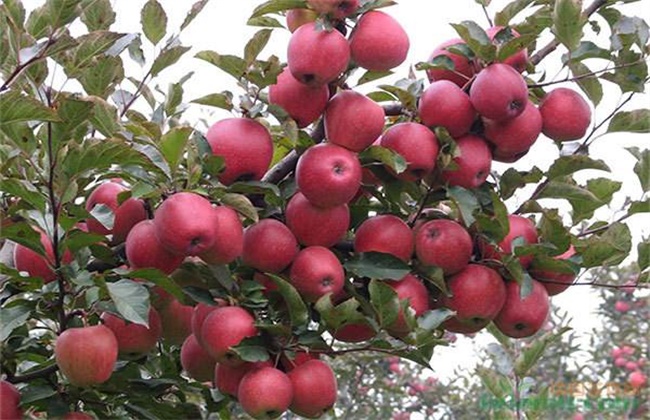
(571, 192)
(25, 191)
(275, 6)
(89, 47)
(512, 9)
(568, 21)
(256, 44)
(346, 312)
(531, 354)
(500, 386)
(639, 207)
(372, 75)
(154, 21)
(385, 302)
(408, 99)
(242, 204)
(252, 349)
(104, 215)
(642, 167)
(476, 39)
(514, 45)
(193, 13)
(297, 309)
(104, 117)
(643, 250)
(552, 229)
(377, 265)
(607, 248)
(231, 64)
(131, 300)
(12, 318)
(591, 86)
(566, 165)
(24, 234)
(219, 100)
(100, 78)
(587, 49)
(15, 107)
(637, 121)
(167, 57)
(466, 202)
(512, 180)
(431, 320)
(173, 143)
(388, 157)
(264, 21)
(603, 189)
(97, 15)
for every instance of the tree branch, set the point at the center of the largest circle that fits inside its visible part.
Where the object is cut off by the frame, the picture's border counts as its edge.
(20, 67)
(37, 374)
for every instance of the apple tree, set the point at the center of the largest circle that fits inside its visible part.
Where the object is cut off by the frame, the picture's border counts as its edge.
(156, 268)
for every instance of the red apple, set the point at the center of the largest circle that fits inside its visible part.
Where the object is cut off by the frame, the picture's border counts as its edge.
(315, 225)
(229, 244)
(176, 320)
(86, 355)
(416, 144)
(412, 289)
(10, 398)
(196, 361)
(444, 104)
(555, 282)
(337, 9)
(445, 244)
(199, 314)
(227, 378)
(37, 265)
(565, 115)
(463, 67)
(637, 379)
(134, 340)
(328, 175)
(315, 272)
(316, 56)
(385, 233)
(519, 59)
(144, 250)
(378, 42)
(302, 102)
(621, 306)
(499, 92)
(225, 328)
(269, 245)
(354, 333)
(472, 166)
(519, 227)
(515, 135)
(353, 120)
(291, 361)
(265, 393)
(523, 317)
(245, 146)
(314, 388)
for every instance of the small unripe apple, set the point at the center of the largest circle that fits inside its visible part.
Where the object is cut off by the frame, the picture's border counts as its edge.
(196, 361)
(444, 104)
(499, 92)
(134, 340)
(378, 42)
(314, 388)
(225, 328)
(565, 115)
(86, 355)
(302, 102)
(385, 233)
(472, 165)
(265, 393)
(269, 245)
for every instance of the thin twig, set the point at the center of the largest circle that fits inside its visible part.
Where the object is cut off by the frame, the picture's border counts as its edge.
(21, 67)
(584, 76)
(37, 374)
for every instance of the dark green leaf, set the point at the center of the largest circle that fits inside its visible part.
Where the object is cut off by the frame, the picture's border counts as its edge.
(643, 250)
(639, 207)
(388, 157)
(131, 300)
(587, 49)
(16, 107)
(512, 9)
(531, 354)
(154, 21)
(24, 234)
(97, 15)
(566, 165)
(591, 86)
(441, 62)
(637, 121)
(552, 229)
(346, 312)
(558, 189)
(256, 44)
(607, 248)
(231, 64)
(104, 117)
(568, 21)
(512, 180)
(372, 75)
(252, 349)
(631, 72)
(384, 300)
(642, 167)
(26, 191)
(12, 318)
(514, 45)
(275, 6)
(100, 78)
(172, 144)
(156, 277)
(476, 39)
(167, 57)
(377, 265)
(603, 189)
(297, 309)
(219, 100)
(408, 99)
(193, 13)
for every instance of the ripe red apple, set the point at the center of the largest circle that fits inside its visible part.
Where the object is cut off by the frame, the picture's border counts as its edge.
(225, 328)
(353, 120)
(316, 56)
(523, 317)
(565, 115)
(637, 379)
(354, 333)
(269, 245)
(314, 388)
(412, 289)
(126, 214)
(555, 282)
(478, 294)
(328, 175)
(245, 146)
(229, 243)
(337, 9)
(227, 378)
(298, 17)
(302, 102)
(196, 361)
(144, 250)
(176, 320)
(472, 166)
(444, 104)
(519, 59)
(10, 398)
(315, 225)
(463, 67)
(445, 244)
(499, 92)
(86, 355)
(416, 144)
(499, 156)
(37, 265)
(621, 306)
(315, 272)
(265, 393)
(385, 233)
(378, 42)
(199, 314)
(290, 361)
(519, 227)
(134, 340)
(515, 135)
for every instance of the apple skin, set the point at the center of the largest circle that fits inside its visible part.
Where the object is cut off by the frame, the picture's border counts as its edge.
(416, 144)
(472, 166)
(637, 379)
(478, 294)
(385, 233)
(353, 120)
(328, 175)
(196, 361)
(86, 355)
(199, 314)
(463, 68)
(445, 244)
(265, 393)
(134, 340)
(227, 378)
(316, 272)
(499, 156)
(314, 388)
(298, 17)
(567, 279)
(515, 135)
(337, 9)
(269, 246)
(299, 358)
(499, 92)
(186, 224)
(229, 243)
(144, 250)
(225, 328)
(313, 225)
(354, 333)
(444, 104)
(523, 317)
(10, 398)
(412, 289)
(303, 103)
(565, 115)
(176, 320)
(519, 59)
(378, 42)
(245, 146)
(519, 226)
(126, 214)
(35, 264)
(317, 57)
